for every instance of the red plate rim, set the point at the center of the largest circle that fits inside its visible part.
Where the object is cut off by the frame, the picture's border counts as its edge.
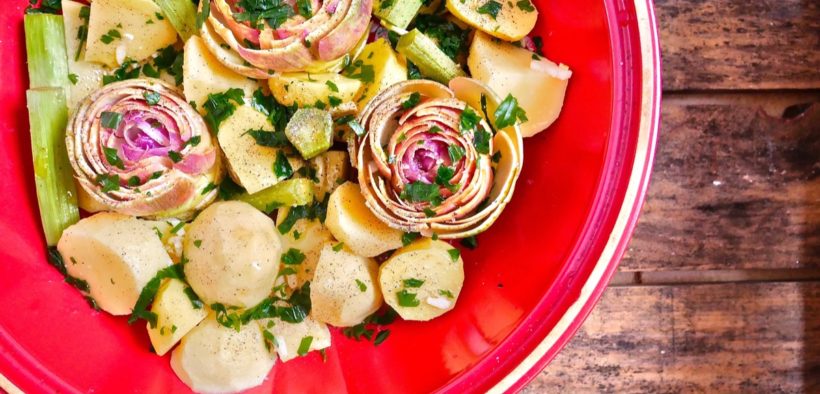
(650, 103)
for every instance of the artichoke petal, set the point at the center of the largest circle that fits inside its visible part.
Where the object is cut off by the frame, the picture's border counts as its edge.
(138, 148)
(415, 143)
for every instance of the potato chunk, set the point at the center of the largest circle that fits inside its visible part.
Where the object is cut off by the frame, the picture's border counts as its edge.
(116, 254)
(422, 281)
(509, 21)
(308, 89)
(89, 75)
(176, 315)
(352, 222)
(217, 359)
(250, 164)
(233, 254)
(539, 85)
(381, 60)
(291, 338)
(309, 237)
(204, 74)
(345, 289)
(119, 30)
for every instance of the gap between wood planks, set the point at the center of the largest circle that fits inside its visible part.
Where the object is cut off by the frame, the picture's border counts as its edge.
(783, 103)
(675, 278)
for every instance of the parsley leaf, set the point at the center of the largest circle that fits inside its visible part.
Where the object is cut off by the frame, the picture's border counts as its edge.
(451, 39)
(413, 282)
(481, 140)
(525, 5)
(113, 157)
(411, 101)
(304, 345)
(508, 112)
(421, 192)
(407, 299)
(491, 8)
(443, 176)
(408, 238)
(470, 242)
(362, 286)
(281, 167)
(220, 106)
(293, 257)
(304, 8)
(273, 139)
(110, 120)
(152, 98)
(456, 153)
(469, 119)
(454, 254)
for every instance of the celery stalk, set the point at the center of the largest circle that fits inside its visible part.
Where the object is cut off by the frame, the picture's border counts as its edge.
(288, 193)
(56, 193)
(428, 57)
(45, 48)
(181, 14)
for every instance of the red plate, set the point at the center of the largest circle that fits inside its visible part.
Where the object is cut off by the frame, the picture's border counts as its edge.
(534, 278)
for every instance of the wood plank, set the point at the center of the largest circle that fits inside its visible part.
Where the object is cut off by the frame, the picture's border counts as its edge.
(753, 337)
(739, 44)
(733, 187)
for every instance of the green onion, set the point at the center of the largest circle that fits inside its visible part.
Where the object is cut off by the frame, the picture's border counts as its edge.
(56, 193)
(46, 51)
(181, 14)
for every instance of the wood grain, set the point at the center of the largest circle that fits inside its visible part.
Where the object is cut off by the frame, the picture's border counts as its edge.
(732, 188)
(762, 337)
(740, 44)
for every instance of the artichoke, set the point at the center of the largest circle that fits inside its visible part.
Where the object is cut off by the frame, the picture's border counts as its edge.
(256, 39)
(430, 162)
(138, 148)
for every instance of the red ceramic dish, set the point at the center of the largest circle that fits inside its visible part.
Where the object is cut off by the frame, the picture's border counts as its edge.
(536, 275)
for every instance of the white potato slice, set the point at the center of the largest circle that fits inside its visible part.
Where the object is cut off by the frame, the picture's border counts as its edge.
(116, 254)
(352, 222)
(422, 281)
(88, 75)
(307, 89)
(309, 237)
(120, 29)
(539, 85)
(233, 254)
(204, 74)
(345, 289)
(288, 338)
(217, 359)
(250, 164)
(332, 169)
(176, 315)
(388, 69)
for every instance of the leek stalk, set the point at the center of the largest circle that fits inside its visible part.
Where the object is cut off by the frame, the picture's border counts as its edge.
(287, 193)
(46, 51)
(53, 176)
(181, 14)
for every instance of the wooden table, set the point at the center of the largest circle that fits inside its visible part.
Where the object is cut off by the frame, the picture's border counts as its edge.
(720, 288)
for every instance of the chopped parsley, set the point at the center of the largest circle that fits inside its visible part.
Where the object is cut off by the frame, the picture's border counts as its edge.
(108, 183)
(46, 7)
(273, 139)
(129, 69)
(304, 345)
(435, 130)
(470, 242)
(134, 181)
(82, 31)
(152, 98)
(338, 247)
(332, 86)
(113, 158)
(274, 12)
(421, 192)
(174, 156)
(446, 293)
(304, 8)
(525, 5)
(469, 119)
(456, 153)
(293, 257)
(496, 157)
(481, 140)
(491, 8)
(381, 337)
(207, 189)
(220, 106)
(363, 72)
(443, 176)
(278, 114)
(109, 37)
(149, 291)
(203, 15)
(73, 78)
(413, 282)
(454, 254)
(193, 141)
(362, 286)
(281, 167)
(408, 238)
(334, 101)
(198, 243)
(110, 120)
(451, 39)
(508, 113)
(407, 299)
(411, 101)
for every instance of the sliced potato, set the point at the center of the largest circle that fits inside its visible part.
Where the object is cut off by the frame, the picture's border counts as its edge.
(176, 315)
(250, 164)
(511, 22)
(332, 169)
(306, 89)
(233, 254)
(351, 221)
(422, 281)
(379, 60)
(345, 289)
(539, 85)
(288, 338)
(116, 254)
(120, 29)
(88, 75)
(204, 74)
(309, 237)
(217, 359)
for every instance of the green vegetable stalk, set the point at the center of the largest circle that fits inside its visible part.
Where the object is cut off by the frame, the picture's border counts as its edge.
(56, 192)
(181, 14)
(45, 48)
(287, 193)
